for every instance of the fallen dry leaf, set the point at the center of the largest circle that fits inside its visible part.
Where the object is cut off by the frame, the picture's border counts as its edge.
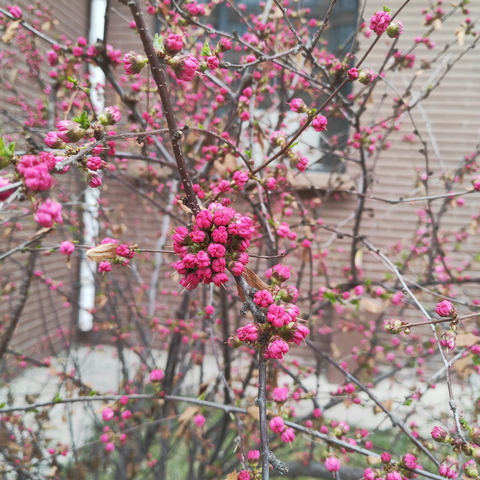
(9, 32)
(102, 252)
(371, 460)
(188, 414)
(462, 366)
(232, 476)
(467, 339)
(254, 280)
(370, 306)
(387, 404)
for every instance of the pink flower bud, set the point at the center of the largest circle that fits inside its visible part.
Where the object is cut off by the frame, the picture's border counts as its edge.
(48, 213)
(320, 123)
(199, 420)
(379, 22)
(184, 67)
(156, 375)
(67, 248)
(277, 424)
(110, 116)
(173, 44)
(133, 63)
(332, 464)
(445, 309)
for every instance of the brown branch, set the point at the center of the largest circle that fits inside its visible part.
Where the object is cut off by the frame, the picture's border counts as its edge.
(159, 77)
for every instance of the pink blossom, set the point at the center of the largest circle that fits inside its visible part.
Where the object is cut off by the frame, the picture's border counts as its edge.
(320, 123)
(173, 44)
(204, 220)
(212, 63)
(276, 349)
(253, 456)
(240, 178)
(440, 435)
(280, 395)
(379, 22)
(222, 217)
(277, 316)
(69, 131)
(216, 250)
(94, 163)
(126, 414)
(37, 179)
(358, 290)
(280, 273)
(409, 460)
(156, 375)
(95, 181)
(104, 267)
(263, 298)
(15, 11)
(199, 420)
(6, 193)
(445, 309)
(48, 213)
(133, 63)
(220, 235)
(394, 475)
(219, 265)
(277, 425)
(332, 464)
(301, 163)
(184, 67)
(448, 340)
(353, 74)
(236, 268)
(224, 44)
(244, 475)
(386, 457)
(297, 105)
(219, 279)
(369, 474)
(110, 447)
(52, 140)
(288, 435)
(248, 333)
(67, 248)
(110, 116)
(299, 333)
(107, 414)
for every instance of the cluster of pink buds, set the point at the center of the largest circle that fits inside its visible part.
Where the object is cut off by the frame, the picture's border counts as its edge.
(297, 161)
(449, 467)
(110, 253)
(277, 425)
(36, 169)
(281, 326)
(218, 241)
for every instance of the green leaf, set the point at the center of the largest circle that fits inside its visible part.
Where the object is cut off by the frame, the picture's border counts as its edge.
(82, 120)
(408, 402)
(248, 153)
(368, 282)
(72, 80)
(293, 144)
(6, 153)
(158, 42)
(92, 393)
(386, 9)
(57, 398)
(206, 52)
(331, 296)
(2, 405)
(356, 302)
(200, 126)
